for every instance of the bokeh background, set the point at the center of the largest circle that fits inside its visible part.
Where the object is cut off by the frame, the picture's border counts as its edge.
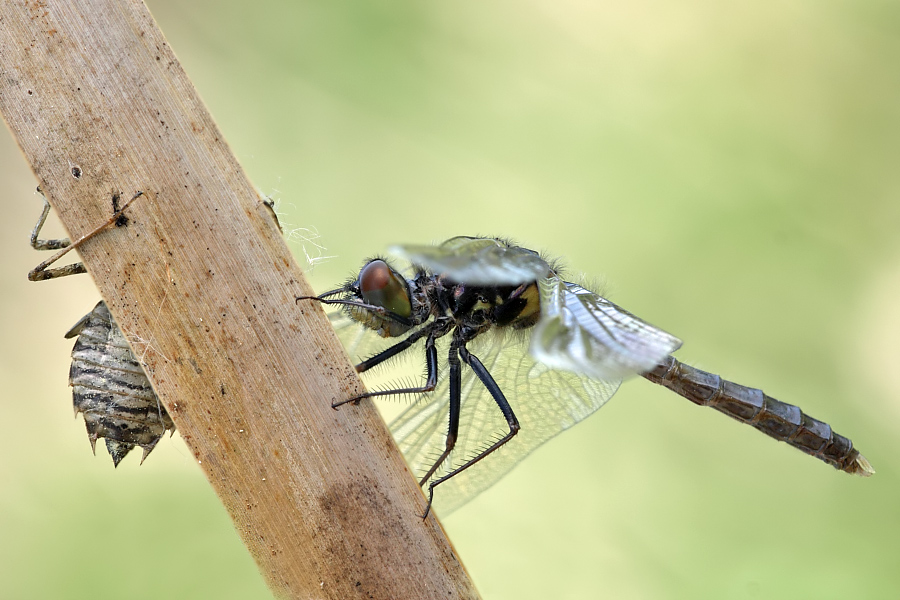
(728, 171)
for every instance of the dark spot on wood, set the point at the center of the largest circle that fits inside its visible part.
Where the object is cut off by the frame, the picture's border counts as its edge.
(76, 172)
(121, 220)
(352, 505)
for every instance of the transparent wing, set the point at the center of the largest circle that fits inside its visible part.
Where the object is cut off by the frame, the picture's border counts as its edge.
(544, 400)
(359, 342)
(477, 261)
(362, 343)
(581, 350)
(580, 331)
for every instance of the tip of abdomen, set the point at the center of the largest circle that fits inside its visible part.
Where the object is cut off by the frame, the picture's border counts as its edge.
(860, 466)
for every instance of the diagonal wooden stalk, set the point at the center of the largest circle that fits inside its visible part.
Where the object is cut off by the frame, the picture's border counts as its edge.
(100, 106)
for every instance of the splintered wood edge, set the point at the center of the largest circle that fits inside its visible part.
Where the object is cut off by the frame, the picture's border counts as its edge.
(203, 285)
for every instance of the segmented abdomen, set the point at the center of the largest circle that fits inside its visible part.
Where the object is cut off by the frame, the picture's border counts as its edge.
(111, 389)
(784, 422)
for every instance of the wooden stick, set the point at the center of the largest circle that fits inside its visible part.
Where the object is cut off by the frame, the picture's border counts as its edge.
(100, 106)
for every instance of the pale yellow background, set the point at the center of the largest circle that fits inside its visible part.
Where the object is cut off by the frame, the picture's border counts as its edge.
(729, 172)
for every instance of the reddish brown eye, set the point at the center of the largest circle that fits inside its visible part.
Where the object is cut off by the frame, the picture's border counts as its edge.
(374, 277)
(382, 286)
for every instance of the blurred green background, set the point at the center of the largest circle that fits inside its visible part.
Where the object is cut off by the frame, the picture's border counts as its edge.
(728, 171)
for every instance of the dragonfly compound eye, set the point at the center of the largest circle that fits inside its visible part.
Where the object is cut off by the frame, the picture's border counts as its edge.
(381, 286)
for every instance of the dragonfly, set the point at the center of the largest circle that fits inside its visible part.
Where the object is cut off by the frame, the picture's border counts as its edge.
(528, 355)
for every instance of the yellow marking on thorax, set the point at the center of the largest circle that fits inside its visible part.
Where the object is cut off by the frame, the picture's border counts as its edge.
(532, 310)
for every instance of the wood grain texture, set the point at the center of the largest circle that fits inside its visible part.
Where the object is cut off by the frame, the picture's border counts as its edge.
(203, 280)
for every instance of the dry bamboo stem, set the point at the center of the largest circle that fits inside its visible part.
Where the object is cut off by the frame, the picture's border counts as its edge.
(99, 105)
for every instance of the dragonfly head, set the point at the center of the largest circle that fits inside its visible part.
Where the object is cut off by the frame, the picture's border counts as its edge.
(379, 298)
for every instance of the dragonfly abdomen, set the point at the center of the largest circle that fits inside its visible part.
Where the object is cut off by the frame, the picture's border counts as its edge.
(111, 390)
(782, 421)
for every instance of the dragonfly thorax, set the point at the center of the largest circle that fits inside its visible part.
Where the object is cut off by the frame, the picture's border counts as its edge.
(381, 299)
(482, 307)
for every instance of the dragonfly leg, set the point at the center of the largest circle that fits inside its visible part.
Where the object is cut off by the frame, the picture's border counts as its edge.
(488, 381)
(430, 361)
(455, 382)
(396, 349)
(42, 272)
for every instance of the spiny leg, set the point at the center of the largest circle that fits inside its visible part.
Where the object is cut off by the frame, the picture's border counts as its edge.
(396, 349)
(455, 382)
(488, 381)
(41, 272)
(430, 361)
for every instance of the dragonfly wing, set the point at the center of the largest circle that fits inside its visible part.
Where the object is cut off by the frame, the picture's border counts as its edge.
(582, 332)
(360, 343)
(477, 261)
(545, 401)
